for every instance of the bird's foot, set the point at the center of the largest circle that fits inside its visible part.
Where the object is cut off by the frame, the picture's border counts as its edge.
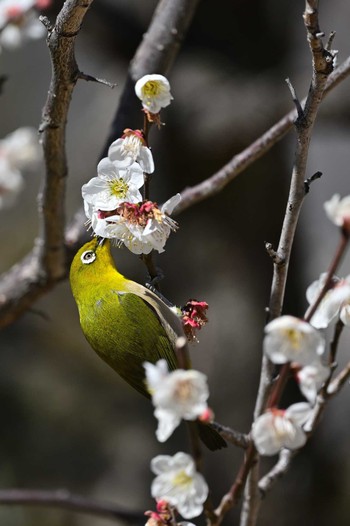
(152, 282)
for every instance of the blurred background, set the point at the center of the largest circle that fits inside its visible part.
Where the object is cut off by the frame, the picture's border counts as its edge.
(67, 420)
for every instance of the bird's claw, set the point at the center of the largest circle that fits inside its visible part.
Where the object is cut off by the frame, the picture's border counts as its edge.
(156, 279)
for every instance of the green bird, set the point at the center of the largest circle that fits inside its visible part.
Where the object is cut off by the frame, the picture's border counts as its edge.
(124, 322)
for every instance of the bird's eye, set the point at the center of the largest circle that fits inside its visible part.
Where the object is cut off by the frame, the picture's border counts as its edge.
(88, 257)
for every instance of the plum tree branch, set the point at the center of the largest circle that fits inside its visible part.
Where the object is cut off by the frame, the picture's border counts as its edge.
(306, 113)
(65, 500)
(65, 73)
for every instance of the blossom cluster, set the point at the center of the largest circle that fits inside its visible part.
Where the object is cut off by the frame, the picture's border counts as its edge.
(335, 302)
(19, 22)
(291, 340)
(19, 150)
(113, 202)
(302, 344)
(177, 395)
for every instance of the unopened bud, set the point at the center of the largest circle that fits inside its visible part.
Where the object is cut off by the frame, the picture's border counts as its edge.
(207, 416)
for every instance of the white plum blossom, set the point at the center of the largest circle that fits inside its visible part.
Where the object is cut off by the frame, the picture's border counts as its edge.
(21, 149)
(154, 92)
(338, 210)
(153, 236)
(311, 378)
(11, 184)
(176, 395)
(335, 301)
(142, 227)
(96, 219)
(178, 483)
(289, 339)
(19, 22)
(18, 151)
(113, 186)
(279, 428)
(345, 314)
(129, 149)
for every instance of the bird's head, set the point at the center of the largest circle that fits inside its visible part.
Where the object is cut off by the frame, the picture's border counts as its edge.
(92, 261)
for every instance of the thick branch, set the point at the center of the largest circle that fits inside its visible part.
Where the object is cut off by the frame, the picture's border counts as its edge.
(60, 41)
(65, 500)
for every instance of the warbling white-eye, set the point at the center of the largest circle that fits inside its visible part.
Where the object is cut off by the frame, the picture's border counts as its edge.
(125, 322)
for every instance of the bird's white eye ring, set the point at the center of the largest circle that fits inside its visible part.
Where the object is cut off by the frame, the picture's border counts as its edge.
(88, 257)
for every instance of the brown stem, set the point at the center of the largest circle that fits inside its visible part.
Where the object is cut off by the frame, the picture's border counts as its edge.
(234, 494)
(277, 472)
(279, 386)
(232, 436)
(338, 382)
(146, 177)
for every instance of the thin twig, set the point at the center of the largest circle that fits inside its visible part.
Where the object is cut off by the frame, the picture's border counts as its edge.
(65, 500)
(232, 436)
(338, 329)
(310, 180)
(338, 382)
(279, 469)
(273, 254)
(231, 498)
(91, 78)
(296, 101)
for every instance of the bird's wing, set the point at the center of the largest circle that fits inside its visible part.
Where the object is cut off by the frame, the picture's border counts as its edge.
(147, 340)
(169, 320)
